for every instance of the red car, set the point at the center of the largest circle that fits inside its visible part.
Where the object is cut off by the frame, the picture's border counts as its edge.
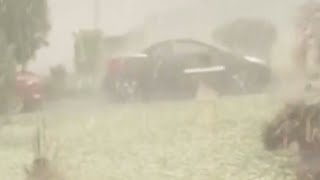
(29, 91)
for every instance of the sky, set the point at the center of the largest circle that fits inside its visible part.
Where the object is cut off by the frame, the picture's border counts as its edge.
(175, 18)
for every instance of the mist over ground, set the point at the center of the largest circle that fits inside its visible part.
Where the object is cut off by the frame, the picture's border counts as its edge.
(170, 18)
(210, 137)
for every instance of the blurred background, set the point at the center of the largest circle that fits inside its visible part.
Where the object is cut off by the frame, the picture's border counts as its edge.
(160, 19)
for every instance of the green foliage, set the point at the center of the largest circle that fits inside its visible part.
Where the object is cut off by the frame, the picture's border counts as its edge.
(87, 50)
(7, 73)
(23, 29)
(25, 25)
(249, 36)
(56, 85)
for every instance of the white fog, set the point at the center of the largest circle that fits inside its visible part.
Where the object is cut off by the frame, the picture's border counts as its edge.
(176, 18)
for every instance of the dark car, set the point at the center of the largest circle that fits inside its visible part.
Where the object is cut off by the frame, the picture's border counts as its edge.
(174, 69)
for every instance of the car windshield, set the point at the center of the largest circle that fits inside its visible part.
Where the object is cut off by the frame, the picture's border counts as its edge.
(190, 48)
(159, 89)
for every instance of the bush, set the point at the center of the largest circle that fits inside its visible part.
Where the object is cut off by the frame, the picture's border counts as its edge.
(56, 85)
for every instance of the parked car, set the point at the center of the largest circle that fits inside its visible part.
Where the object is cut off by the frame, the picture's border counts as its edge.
(29, 91)
(174, 69)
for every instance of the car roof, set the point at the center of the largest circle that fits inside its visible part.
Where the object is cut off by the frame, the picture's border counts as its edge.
(214, 47)
(189, 40)
(137, 55)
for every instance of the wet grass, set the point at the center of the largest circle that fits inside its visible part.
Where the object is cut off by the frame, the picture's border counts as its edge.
(201, 140)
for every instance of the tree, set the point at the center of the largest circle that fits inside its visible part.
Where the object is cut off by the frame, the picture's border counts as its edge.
(7, 74)
(23, 29)
(56, 84)
(87, 51)
(25, 25)
(308, 36)
(249, 36)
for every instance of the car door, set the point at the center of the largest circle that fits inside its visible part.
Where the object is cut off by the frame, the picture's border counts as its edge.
(201, 63)
(159, 80)
(175, 65)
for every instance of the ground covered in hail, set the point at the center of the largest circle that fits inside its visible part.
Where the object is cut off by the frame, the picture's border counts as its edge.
(218, 139)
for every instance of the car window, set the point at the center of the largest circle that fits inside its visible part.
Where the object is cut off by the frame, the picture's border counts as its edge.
(189, 48)
(161, 49)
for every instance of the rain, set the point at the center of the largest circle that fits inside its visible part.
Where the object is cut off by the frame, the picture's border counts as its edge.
(159, 89)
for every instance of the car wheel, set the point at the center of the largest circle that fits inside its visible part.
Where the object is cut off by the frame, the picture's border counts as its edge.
(241, 83)
(125, 90)
(190, 86)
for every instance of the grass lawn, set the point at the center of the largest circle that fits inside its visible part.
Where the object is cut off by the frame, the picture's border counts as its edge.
(200, 140)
